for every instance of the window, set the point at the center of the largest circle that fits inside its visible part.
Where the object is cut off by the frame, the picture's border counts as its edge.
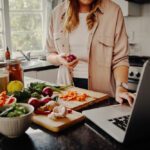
(1, 27)
(23, 24)
(27, 24)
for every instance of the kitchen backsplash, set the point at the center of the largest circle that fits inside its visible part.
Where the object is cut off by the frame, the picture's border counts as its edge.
(138, 29)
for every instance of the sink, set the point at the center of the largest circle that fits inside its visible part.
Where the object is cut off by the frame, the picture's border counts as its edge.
(30, 64)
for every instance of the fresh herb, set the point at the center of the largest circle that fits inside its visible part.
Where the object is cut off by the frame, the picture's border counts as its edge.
(55, 98)
(22, 96)
(38, 87)
(36, 95)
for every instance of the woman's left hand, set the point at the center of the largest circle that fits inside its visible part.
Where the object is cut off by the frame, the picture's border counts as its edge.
(123, 95)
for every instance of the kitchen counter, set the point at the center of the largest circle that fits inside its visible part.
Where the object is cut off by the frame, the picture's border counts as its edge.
(82, 136)
(42, 65)
(78, 137)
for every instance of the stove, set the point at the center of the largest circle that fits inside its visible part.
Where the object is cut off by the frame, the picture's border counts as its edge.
(135, 69)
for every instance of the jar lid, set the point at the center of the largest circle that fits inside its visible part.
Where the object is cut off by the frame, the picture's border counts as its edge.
(3, 64)
(13, 62)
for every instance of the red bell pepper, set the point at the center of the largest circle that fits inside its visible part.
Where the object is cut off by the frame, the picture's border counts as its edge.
(42, 112)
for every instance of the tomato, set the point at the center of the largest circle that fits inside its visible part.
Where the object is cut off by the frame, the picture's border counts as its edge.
(11, 100)
(3, 97)
(2, 102)
(3, 94)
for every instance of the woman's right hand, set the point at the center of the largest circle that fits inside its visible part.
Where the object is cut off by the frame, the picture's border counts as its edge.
(70, 65)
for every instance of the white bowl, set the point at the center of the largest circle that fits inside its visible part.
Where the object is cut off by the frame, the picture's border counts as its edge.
(13, 127)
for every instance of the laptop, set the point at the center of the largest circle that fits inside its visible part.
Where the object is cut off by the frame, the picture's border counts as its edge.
(126, 124)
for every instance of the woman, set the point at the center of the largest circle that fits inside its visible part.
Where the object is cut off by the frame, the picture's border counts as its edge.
(94, 31)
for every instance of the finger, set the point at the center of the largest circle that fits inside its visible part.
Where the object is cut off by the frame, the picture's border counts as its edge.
(63, 61)
(73, 62)
(133, 95)
(130, 100)
(119, 100)
(74, 65)
(126, 96)
(70, 69)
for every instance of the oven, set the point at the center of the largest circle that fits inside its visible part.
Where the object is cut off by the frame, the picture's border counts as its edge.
(135, 70)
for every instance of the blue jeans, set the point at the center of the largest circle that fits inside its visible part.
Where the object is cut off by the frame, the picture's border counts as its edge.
(81, 83)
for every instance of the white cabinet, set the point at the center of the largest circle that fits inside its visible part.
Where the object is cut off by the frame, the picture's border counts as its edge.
(48, 75)
(44, 75)
(31, 74)
(129, 8)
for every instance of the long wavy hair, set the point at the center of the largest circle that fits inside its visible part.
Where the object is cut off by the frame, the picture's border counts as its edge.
(72, 15)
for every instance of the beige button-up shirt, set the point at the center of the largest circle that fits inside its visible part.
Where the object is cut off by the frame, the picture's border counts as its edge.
(107, 45)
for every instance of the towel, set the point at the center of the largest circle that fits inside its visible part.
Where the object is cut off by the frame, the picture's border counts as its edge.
(64, 76)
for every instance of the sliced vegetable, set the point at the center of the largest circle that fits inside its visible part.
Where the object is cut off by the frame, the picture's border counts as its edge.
(2, 102)
(14, 111)
(73, 95)
(34, 102)
(47, 91)
(6, 100)
(42, 112)
(45, 100)
(6, 111)
(10, 100)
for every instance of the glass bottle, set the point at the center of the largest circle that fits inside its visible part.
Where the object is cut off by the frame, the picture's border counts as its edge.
(4, 77)
(15, 70)
(7, 54)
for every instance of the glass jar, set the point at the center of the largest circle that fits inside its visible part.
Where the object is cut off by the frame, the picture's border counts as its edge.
(15, 70)
(4, 77)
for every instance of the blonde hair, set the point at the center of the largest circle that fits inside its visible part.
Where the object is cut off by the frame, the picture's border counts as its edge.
(72, 15)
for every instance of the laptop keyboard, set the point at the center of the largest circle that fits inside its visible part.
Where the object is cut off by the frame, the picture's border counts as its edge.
(120, 122)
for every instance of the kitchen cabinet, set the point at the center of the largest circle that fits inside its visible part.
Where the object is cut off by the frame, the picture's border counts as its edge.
(48, 75)
(31, 74)
(129, 8)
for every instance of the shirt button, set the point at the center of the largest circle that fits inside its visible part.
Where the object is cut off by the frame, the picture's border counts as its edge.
(63, 45)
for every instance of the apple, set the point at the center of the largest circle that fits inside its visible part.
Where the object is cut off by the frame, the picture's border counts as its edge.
(70, 58)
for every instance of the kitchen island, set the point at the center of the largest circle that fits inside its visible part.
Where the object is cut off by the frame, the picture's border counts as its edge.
(82, 136)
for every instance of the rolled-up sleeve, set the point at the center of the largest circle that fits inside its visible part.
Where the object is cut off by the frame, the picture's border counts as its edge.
(121, 51)
(50, 46)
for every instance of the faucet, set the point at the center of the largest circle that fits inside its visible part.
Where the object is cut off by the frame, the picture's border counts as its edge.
(26, 56)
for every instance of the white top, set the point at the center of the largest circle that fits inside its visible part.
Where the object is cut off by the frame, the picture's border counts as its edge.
(78, 40)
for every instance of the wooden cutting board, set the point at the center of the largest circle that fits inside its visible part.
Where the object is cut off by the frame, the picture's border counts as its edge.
(95, 97)
(59, 124)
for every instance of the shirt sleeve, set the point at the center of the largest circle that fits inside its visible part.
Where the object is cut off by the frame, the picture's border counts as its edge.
(121, 51)
(50, 46)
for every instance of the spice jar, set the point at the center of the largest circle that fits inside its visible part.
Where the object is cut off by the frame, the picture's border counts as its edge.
(15, 70)
(4, 77)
